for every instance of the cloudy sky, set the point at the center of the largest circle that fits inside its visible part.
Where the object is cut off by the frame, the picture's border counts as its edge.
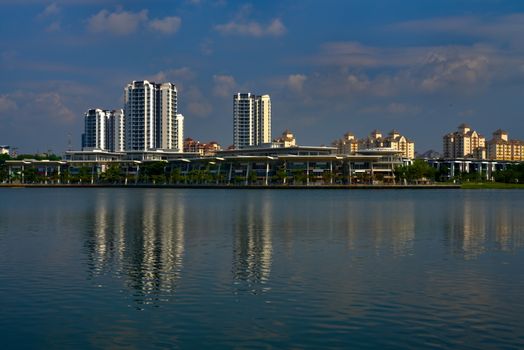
(422, 67)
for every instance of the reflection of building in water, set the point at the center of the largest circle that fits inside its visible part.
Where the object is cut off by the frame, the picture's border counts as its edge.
(142, 239)
(387, 224)
(508, 228)
(253, 245)
(466, 229)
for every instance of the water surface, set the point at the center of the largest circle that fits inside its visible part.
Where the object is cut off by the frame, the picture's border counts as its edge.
(180, 268)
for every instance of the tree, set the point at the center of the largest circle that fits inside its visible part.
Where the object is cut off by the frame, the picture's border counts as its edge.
(417, 171)
(112, 174)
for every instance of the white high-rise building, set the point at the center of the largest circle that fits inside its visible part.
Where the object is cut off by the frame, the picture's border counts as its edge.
(115, 131)
(94, 136)
(251, 120)
(151, 117)
(103, 130)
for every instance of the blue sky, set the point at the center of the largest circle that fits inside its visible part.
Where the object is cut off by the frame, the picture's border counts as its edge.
(422, 67)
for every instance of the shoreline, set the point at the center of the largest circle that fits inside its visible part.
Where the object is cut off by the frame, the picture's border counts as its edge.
(243, 187)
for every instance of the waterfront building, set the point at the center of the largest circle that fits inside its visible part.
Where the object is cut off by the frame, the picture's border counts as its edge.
(95, 123)
(500, 147)
(151, 119)
(251, 120)
(464, 143)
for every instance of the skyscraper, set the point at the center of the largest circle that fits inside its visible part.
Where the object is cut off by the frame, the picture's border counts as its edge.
(152, 121)
(251, 120)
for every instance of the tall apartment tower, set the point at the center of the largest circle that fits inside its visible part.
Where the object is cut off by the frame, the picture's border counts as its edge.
(251, 120)
(115, 131)
(103, 130)
(94, 136)
(464, 143)
(151, 119)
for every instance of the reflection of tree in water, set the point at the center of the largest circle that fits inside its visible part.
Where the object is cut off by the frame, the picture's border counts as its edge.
(252, 247)
(141, 241)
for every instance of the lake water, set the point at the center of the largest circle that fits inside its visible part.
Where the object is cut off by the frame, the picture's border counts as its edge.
(201, 268)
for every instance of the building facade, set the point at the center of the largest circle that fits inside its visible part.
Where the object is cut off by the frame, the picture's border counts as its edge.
(349, 144)
(151, 119)
(95, 130)
(103, 130)
(500, 147)
(464, 143)
(251, 120)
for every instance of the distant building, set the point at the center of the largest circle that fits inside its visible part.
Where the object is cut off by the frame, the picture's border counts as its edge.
(251, 120)
(4, 149)
(501, 148)
(203, 149)
(151, 120)
(464, 143)
(286, 140)
(349, 144)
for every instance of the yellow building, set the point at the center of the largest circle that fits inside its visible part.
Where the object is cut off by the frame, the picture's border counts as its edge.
(348, 144)
(464, 143)
(394, 140)
(501, 148)
(286, 140)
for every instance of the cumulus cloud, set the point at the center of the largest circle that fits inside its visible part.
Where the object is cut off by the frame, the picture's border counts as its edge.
(51, 10)
(197, 105)
(117, 23)
(127, 22)
(166, 25)
(224, 85)
(393, 108)
(7, 104)
(443, 71)
(296, 82)
(53, 27)
(177, 76)
(252, 28)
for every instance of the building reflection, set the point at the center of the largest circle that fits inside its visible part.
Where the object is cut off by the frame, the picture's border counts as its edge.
(252, 246)
(474, 227)
(384, 225)
(141, 242)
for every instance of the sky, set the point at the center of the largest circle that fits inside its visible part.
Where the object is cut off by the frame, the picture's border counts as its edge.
(418, 66)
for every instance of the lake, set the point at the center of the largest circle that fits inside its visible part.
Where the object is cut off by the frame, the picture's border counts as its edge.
(218, 268)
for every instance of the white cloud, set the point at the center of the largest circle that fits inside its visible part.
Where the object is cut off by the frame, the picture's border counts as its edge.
(166, 25)
(224, 85)
(252, 28)
(197, 105)
(296, 82)
(117, 23)
(50, 10)
(53, 27)
(7, 104)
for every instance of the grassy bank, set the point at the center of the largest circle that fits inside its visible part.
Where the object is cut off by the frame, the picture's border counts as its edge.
(490, 185)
